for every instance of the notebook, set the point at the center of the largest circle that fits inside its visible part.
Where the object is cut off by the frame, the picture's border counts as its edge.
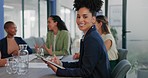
(50, 61)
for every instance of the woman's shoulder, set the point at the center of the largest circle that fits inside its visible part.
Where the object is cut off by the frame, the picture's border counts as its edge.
(107, 35)
(64, 31)
(17, 37)
(2, 39)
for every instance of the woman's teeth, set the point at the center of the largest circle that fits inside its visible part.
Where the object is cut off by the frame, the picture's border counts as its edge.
(81, 25)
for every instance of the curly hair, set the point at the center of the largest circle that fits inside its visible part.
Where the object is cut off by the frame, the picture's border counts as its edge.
(93, 5)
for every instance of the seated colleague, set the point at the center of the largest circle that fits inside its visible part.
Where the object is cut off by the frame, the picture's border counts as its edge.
(103, 29)
(58, 37)
(10, 45)
(93, 61)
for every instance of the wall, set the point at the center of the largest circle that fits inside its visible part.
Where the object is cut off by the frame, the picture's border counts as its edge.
(137, 39)
(1, 19)
(66, 3)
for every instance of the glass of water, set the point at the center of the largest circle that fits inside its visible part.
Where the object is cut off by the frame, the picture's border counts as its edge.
(11, 66)
(40, 51)
(22, 66)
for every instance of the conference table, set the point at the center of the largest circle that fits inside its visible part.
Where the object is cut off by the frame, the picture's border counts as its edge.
(37, 69)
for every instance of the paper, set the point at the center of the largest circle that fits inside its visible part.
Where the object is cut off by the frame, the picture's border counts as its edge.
(49, 61)
(59, 57)
(38, 65)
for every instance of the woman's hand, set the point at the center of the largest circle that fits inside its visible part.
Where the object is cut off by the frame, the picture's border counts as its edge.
(3, 62)
(36, 46)
(76, 56)
(48, 50)
(55, 60)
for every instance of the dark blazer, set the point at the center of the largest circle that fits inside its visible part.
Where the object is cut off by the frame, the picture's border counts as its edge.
(3, 46)
(93, 61)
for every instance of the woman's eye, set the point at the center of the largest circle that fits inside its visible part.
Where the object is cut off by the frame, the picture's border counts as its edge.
(78, 17)
(85, 17)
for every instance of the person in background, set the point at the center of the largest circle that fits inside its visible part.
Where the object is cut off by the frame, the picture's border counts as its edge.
(58, 37)
(104, 30)
(9, 45)
(93, 61)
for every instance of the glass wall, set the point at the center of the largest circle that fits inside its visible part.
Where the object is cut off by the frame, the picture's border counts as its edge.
(68, 15)
(12, 12)
(43, 18)
(137, 39)
(30, 16)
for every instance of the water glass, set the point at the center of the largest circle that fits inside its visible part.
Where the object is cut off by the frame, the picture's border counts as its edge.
(11, 66)
(40, 51)
(22, 65)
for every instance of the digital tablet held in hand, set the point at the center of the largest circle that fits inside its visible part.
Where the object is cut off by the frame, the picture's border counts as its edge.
(49, 61)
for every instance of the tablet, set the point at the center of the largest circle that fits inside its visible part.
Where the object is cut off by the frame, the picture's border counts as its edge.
(50, 61)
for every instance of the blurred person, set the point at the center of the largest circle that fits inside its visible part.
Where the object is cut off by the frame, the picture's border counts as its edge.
(58, 37)
(93, 61)
(104, 30)
(9, 46)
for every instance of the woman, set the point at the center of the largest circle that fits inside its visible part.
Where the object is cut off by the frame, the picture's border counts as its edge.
(103, 29)
(9, 45)
(93, 61)
(58, 38)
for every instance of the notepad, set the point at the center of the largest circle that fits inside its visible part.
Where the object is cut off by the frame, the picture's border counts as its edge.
(50, 61)
(59, 57)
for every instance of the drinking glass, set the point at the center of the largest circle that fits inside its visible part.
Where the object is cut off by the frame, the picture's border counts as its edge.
(40, 51)
(11, 66)
(23, 60)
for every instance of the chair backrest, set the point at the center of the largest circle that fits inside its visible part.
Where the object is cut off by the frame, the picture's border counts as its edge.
(39, 41)
(122, 53)
(30, 41)
(121, 69)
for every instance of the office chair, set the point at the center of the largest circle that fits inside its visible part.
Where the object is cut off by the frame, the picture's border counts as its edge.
(121, 69)
(122, 54)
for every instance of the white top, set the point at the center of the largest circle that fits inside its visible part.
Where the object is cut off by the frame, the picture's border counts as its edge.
(112, 52)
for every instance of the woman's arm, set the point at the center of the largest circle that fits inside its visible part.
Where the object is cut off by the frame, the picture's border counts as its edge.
(2, 61)
(108, 44)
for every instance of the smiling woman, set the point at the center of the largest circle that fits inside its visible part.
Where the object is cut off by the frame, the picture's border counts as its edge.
(93, 54)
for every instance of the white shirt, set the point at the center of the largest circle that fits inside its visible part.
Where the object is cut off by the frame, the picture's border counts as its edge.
(112, 52)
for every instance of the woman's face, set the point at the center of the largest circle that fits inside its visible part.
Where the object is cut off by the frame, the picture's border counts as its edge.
(11, 30)
(85, 19)
(51, 24)
(98, 26)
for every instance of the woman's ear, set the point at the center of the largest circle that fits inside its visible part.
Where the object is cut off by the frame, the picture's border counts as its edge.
(56, 23)
(101, 24)
(93, 19)
(6, 29)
